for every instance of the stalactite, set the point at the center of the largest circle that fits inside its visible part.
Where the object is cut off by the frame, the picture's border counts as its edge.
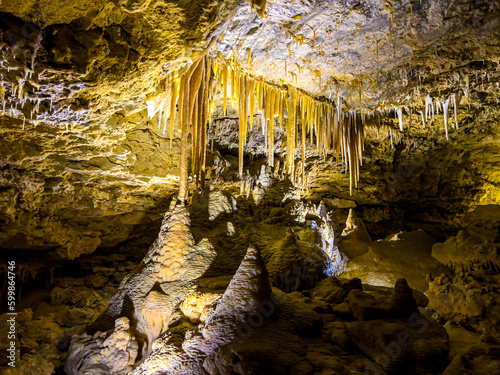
(183, 110)
(203, 124)
(400, 118)
(252, 101)
(173, 101)
(446, 103)
(272, 111)
(259, 6)
(454, 98)
(423, 121)
(225, 81)
(194, 93)
(290, 132)
(281, 109)
(194, 84)
(181, 100)
(428, 108)
(242, 119)
(159, 117)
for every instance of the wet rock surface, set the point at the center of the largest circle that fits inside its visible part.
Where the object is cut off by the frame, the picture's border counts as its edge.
(241, 279)
(193, 306)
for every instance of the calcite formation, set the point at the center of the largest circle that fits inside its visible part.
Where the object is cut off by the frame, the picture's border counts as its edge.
(319, 181)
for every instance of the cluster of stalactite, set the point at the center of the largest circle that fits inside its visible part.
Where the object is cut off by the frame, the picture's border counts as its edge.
(309, 123)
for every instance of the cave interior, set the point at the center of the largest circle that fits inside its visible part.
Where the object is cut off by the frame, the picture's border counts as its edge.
(296, 187)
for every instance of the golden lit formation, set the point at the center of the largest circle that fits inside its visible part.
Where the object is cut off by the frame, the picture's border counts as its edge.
(312, 122)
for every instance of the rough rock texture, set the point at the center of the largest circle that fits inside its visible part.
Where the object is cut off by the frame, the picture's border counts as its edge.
(242, 300)
(75, 190)
(469, 298)
(82, 169)
(476, 246)
(480, 359)
(98, 354)
(149, 296)
(76, 151)
(297, 267)
(412, 346)
(75, 78)
(321, 45)
(47, 320)
(383, 262)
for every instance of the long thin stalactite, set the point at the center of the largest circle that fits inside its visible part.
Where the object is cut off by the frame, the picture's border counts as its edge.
(308, 121)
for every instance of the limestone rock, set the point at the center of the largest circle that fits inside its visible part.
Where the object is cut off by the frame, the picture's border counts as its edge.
(295, 266)
(98, 354)
(336, 333)
(478, 359)
(401, 304)
(333, 290)
(33, 364)
(387, 261)
(151, 293)
(195, 303)
(475, 246)
(355, 229)
(96, 281)
(461, 340)
(219, 203)
(242, 302)
(71, 316)
(470, 298)
(415, 345)
(340, 203)
(248, 288)
(74, 296)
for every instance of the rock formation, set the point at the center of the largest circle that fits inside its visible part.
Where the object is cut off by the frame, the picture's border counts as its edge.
(250, 187)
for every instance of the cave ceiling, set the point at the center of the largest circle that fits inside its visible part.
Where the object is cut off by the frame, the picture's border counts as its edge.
(81, 159)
